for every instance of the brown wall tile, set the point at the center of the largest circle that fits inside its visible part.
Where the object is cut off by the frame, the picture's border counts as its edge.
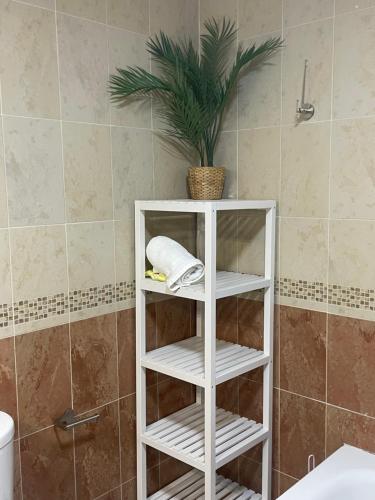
(285, 482)
(351, 364)
(171, 469)
(250, 334)
(128, 433)
(98, 454)
(173, 320)
(47, 465)
(128, 438)
(126, 351)
(303, 352)
(251, 406)
(227, 319)
(126, 337)
(112, 495)
(250, 323)
(8, 397)
(230, 470)
(227, 395)
(302, 433)
(350, 428)
(43, 365)
(174, 395)
(153, 480)
(129, 490)
(94, 362)
(250, 474)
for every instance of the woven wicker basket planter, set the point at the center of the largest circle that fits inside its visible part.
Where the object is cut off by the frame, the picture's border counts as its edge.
(206, 183)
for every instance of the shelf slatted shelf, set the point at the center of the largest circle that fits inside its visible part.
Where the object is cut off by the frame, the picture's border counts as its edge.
(181, 435)
(227, 284)
(191, 487)
(185, 360)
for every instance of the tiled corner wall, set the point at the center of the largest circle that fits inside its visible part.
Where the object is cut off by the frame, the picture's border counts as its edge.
(322, 174)
(71, 165)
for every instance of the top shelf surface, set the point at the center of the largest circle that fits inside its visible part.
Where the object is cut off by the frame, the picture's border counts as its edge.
(203, 206)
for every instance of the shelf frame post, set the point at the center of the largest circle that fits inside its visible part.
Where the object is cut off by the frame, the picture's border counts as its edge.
(140, 239)
(269, 271)
(210, 352)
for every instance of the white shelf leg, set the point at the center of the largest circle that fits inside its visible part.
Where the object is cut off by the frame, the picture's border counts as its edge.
(141, 349)
(199, 391)
(268, 349)
(210, 353)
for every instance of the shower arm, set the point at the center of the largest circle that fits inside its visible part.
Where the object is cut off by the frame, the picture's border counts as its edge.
(305, 110)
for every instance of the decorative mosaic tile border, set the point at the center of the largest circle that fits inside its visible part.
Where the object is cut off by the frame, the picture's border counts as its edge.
(357, 298)
(304, 290)
(40, 308)
(351, 297)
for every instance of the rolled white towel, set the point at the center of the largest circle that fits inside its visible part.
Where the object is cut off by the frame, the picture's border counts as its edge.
(172, 259)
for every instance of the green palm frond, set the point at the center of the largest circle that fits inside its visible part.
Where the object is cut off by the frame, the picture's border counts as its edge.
(192, 89)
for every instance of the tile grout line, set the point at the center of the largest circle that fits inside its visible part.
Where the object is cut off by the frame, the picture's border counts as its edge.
(66, 246)
(278, 240)
(11, 286)
(114, 232)
(328, 224)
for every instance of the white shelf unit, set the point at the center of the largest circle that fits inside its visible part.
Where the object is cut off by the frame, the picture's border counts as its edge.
(202, 435)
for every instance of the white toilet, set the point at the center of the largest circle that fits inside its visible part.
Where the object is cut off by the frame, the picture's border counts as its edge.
(6, 456)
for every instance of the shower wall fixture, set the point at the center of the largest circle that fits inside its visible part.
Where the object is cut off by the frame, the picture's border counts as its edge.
(305, 110)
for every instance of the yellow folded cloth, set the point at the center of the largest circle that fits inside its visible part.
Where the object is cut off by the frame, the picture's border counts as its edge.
(155, 276)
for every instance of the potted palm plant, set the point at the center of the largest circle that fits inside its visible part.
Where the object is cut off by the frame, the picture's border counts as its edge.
(192, 90)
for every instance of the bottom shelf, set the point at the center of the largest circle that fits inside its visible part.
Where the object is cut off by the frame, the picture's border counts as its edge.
(191, 487)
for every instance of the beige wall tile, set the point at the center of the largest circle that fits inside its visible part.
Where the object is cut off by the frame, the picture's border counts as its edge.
(342, 6)
(305, 11)
(250, 233)
(305, 170)
(171, 170)
(313, 42)
(87, 171)
(178, 226)
(46, 4)
(90, 9)
(34, 171)
(227, 242)
(354, 41)
(124, 246)
(177, 18)
(83, 69)
(129, 49)
(28, 64)
(259, 96)
(38, 261)
(132, 15)
(217, 9)
(353, 169)
(259, 164)
(226, 156)
(3, 190)
(304, 249)
(258, 16)
(132, 169)
(5, 284)
(90, 254)
(352, 250)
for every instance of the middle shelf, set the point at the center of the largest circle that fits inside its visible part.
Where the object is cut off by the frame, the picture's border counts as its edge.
(181, 435)
(185, 360)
